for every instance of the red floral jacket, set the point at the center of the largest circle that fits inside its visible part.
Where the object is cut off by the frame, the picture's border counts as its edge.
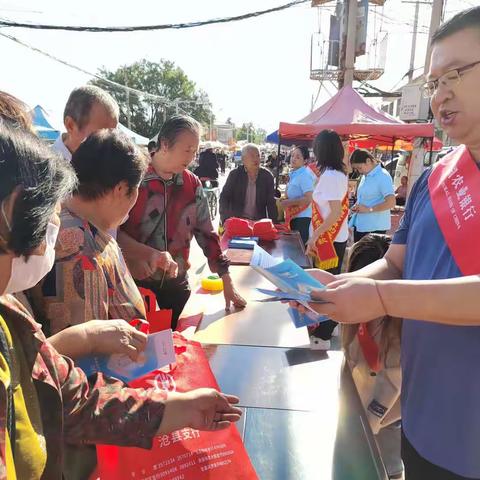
(75, 409)
(168, 214)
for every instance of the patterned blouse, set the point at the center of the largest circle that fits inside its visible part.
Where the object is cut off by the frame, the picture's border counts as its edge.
(90, 279)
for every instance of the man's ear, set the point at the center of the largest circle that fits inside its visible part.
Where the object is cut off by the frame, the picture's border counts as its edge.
(70, 124)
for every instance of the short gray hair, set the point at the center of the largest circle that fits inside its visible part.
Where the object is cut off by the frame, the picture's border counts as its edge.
(81, 101)
(248, 148)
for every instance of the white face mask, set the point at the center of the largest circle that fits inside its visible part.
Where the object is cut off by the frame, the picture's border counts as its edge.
(27, 273)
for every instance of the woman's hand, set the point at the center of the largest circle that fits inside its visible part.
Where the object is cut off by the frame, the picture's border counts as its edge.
(231, 295)
(114, 336)
(362, 209)
(201, 409)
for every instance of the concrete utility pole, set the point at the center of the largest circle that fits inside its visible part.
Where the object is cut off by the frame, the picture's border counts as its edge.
(414, 42)
(435, 20)
(411, 69)
(351, 42)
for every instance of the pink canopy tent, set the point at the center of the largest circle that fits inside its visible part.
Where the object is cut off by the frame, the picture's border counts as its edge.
(349, 115)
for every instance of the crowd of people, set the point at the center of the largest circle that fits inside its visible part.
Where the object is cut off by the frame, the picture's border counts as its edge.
(88, 221)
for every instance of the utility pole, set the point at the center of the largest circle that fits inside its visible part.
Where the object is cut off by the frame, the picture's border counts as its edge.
(411, 69)
(435, 20)
(129, 123)
(351, 42)
(414, 43)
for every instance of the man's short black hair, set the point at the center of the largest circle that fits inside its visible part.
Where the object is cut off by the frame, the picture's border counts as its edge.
(44, 179)
(469, 18)
(106, 158)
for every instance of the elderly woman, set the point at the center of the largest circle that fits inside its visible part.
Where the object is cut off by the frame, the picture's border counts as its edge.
(90, 279)
(45, 399)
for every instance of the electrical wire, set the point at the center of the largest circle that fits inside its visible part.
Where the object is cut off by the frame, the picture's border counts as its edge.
(168, 26)
(149, 96)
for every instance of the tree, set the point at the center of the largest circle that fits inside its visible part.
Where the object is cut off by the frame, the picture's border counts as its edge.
(249, 132)
(164, 79)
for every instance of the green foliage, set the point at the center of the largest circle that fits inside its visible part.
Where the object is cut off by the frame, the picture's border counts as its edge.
(164, 79)
(249, 132)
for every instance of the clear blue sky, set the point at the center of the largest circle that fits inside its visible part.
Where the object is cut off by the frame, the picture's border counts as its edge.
(255, 70)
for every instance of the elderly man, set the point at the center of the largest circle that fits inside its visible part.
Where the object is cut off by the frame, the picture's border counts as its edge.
(88, 110)
(430, 275)
(249, 190)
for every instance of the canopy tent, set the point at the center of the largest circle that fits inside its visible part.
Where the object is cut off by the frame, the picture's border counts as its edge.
(44, 125)
(138, 139)
(349, 115)
(396, 144)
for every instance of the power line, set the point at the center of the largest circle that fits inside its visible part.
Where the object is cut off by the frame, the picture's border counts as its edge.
(168, 26)
(150, 96)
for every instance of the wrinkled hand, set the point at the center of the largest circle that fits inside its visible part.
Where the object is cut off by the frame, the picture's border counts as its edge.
(201, 409)
(114, 336)
(349, 300)
(231, 295)
(163, 261)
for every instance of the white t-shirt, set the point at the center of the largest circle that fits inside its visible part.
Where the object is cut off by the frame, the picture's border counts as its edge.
(332, 185)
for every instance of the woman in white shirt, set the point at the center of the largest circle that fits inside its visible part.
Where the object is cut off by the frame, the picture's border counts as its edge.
(329, 235)
(329, 196)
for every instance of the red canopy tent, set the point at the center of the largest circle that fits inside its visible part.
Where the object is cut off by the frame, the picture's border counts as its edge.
(349, 115)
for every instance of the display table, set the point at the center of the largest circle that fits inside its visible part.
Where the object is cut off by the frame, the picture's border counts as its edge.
(261, 324)
(302, 416)
(303, 419)
(288, 245)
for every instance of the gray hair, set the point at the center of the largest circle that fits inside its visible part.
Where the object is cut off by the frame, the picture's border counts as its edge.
(248, 148)
(81, 101)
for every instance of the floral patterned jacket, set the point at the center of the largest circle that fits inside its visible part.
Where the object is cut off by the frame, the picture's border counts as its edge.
(75, 409)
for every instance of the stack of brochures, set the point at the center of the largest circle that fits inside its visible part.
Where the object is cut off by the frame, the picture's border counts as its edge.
(245, 243)
(293, 283)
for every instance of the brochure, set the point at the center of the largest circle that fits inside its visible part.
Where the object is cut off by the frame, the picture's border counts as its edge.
(158, 353)
(291, 280)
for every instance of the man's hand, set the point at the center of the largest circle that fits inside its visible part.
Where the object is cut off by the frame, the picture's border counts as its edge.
(114, 336)
(349, 300)
(201, 409)
(230, 294)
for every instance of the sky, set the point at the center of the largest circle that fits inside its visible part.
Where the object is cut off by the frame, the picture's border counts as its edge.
(254, 70)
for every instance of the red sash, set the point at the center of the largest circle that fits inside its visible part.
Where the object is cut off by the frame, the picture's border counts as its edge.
(369, 347)
(454, 187)
(290, 212)
(326, 254)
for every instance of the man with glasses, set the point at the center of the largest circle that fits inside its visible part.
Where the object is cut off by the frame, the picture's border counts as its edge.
(430, 276)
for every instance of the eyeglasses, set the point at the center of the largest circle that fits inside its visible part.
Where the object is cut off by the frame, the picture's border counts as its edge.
(448, 80)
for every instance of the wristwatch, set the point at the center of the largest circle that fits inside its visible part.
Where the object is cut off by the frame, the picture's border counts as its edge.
(370, 209)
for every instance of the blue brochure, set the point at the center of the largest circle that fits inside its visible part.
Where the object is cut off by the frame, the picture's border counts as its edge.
(246, 243)
(292, 280)
(158, 353)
